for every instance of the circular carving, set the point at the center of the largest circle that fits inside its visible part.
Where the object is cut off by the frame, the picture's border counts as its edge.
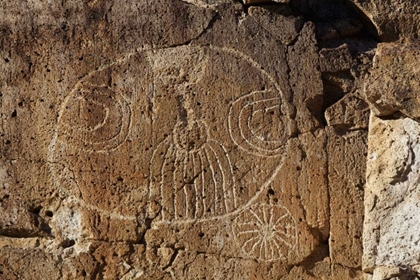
(172, 130)
(257, 124)
(265, 232)
(94, 118)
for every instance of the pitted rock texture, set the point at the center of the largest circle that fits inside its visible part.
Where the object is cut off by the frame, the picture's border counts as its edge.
(187, 139)
(393, 84)
(392, 20)
(391, 208)
(391, 204)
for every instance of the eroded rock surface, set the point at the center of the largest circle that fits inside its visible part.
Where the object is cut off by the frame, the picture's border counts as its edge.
(392, 20)
(391, 202)
(393, 84)
(207, 139)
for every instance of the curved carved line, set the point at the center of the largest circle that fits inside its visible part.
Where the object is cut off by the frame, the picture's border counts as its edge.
(195, 171)
(214, 181)
(158, 173)
(226, 178)
(177, 178)
(253, 133)
(236, 128)
(99, 146)
(254, 138)
(203, 180)
(98, 125)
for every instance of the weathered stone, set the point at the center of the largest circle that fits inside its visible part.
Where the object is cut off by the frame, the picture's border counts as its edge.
(349, 113)
(393, 82)
(279, 21)
(27, 263)
(322, 10)
(181, 139)
(392, 19)
(348, 27)
(391, 199)
(195, 151)
(326, 31)
(393, 273)
(250, 2)
(307, 99)
(335, 59)
(347, 155)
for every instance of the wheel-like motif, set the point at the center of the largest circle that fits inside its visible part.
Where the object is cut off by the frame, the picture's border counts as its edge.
(265, 232)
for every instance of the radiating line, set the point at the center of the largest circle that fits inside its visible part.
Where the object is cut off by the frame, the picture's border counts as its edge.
(281, 218)
(256, 216)
(282, 231)
(277, 246)
(255, 245)
(271, 216)
(284, 241)
(271, 250)
(249, 240)
(249, 231)
(264, 214)
(265, 247)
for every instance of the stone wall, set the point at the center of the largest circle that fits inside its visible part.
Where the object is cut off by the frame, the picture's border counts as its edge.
(209, 139)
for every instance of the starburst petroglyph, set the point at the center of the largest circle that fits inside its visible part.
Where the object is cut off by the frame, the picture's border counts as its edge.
(266, 232)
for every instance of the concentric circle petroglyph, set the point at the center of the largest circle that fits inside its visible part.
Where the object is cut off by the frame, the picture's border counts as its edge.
(181, 128)
(95, 118)
(257, 125)
(266, 232)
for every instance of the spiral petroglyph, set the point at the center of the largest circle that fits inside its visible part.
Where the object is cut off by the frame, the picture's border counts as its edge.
(257, 124)
(94, 118)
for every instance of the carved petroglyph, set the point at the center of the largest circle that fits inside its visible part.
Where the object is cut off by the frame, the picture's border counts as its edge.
(191, 174)
(257, 125)
(95, 118)
(266, 232)
(183, 141)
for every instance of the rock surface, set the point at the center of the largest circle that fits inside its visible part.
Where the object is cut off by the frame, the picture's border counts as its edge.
(206, 139)
(391, 201)
(393, 19)
(393, 84)
(391, 208)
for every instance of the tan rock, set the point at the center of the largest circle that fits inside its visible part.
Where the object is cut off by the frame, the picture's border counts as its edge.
(351, 112)
(335, 59)
(347, 155)
(279, 21)
(393, 82)
(250, 2)
(390, 234)
(307, 99)
(392, 19)
(174, 140)
(16, 263)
